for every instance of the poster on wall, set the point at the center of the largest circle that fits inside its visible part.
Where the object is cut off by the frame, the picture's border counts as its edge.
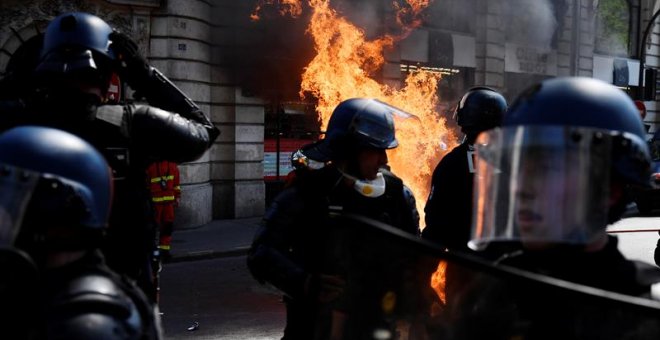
(530, 59)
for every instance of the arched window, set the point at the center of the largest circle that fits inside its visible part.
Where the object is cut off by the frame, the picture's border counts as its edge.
(613, 27)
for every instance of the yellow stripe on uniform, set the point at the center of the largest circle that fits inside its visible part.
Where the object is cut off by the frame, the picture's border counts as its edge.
(162, 199)
(158, 179)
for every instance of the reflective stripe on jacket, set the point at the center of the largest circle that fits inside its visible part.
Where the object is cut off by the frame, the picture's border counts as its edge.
(163, 182)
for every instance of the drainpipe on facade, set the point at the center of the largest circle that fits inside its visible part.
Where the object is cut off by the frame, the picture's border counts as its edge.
(642, 53)
(577, 12)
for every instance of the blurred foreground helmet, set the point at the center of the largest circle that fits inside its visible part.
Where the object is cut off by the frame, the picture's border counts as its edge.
(545, 176)
(53, 186)
(76, 42)
(481, 108)
(358, 122)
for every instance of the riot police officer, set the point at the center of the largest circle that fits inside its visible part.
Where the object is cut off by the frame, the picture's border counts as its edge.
(55, 197)
(80, 53)
(554, 176)
(448, 208)
(288, 249)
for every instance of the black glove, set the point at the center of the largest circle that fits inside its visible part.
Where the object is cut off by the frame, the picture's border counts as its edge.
(132, 66)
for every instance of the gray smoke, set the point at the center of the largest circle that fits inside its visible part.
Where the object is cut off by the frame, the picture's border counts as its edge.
(530, 22)
(363, 14)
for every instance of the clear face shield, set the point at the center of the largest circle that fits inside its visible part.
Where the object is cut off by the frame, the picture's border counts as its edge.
(20, 276)
(16, 188)
(541, 185)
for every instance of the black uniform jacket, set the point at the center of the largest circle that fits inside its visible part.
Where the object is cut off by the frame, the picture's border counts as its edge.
(292, 244)
(449, 207)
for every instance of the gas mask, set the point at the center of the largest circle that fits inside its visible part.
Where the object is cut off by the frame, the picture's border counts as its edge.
(368, 188)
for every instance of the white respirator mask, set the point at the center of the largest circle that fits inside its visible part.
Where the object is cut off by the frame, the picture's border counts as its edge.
(368, 188)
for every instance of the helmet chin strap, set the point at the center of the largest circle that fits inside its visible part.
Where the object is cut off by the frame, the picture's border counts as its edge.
(368, 188)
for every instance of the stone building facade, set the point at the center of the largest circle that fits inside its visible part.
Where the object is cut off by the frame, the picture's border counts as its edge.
(211, 50)
(510, 44)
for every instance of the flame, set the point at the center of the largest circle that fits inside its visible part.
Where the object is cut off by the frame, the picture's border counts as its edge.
(343, 68)
(438, 281)
(408, 17)
(292, 8)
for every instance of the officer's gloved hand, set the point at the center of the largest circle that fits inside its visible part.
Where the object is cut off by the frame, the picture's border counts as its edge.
(132, 66)
(324, 288)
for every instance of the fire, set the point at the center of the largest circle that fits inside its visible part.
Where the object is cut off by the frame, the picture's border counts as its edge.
(343, 68)
(438, 281)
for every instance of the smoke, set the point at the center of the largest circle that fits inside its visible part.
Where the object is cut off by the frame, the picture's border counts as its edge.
(531, 23)
(279, 49)
(363, 14)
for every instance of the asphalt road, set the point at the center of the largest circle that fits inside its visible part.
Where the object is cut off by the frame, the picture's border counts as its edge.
(222, 297)
(637, 236)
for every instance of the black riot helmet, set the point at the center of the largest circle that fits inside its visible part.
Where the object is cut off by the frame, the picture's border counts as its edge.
(357, 122)
(480, 109)
(55, 189)
(555, 171)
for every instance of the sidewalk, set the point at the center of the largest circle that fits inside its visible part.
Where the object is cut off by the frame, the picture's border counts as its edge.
(218, 238)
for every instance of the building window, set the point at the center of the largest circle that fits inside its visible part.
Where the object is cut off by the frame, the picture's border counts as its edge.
(613, 27)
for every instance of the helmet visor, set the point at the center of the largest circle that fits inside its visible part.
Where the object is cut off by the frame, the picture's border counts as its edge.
(67, 61)
(377, 129)
(16, 188)
(541, 185)
(65, 66)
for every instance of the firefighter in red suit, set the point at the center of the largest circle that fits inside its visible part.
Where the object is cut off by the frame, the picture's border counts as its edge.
(165, 191)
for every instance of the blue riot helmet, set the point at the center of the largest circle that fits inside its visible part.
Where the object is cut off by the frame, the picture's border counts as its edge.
(74, 30)
(75, 67)
(481, 108)
(556, 170)
(76, 41)
(357, 122)
(55, 190)
(586, 102)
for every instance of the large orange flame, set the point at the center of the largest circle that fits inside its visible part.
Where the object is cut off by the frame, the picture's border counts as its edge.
(343, 68)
